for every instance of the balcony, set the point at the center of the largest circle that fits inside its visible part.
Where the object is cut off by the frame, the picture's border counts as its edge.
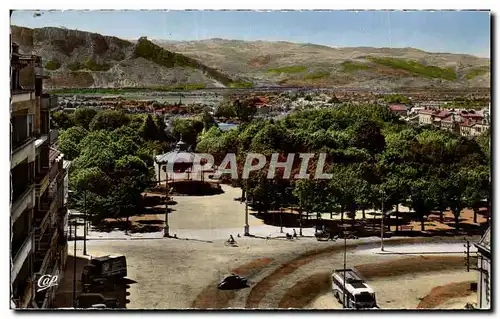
(55, 170)
(44, 215)
(22, 100)
(20, 257)
(42, 181)
(25, 201)
(22, 150)
(53, 136)
(39, 142)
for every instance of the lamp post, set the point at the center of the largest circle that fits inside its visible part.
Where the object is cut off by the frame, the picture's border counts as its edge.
(246, 230)
(85, 227)
(345, 265)
(74, 268)
(166, 232)
(382, 224)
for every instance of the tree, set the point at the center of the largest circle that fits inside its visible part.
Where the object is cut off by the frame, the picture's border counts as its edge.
(109, 120)
(245, 110)
(62, 120)
(149, 130)
(422, 198)
(476, 190)
(69, 141)
(367, 135)
(225, 110)
(208, 121)
(188, 128)
(83, 117)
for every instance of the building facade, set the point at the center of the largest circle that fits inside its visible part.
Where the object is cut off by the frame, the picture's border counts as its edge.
(38, 240)
(484, 271)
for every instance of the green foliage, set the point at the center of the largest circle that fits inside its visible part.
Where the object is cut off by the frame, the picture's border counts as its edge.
(241, 85)
(416, 68)
(288, 69)
(376, 160)
(349, 66)
(111, 167)
(225, 110)
(61, 120)
(208, 121)
(52, 65)
(396, 99)
(470, 103)
(83, 116)
(75, 66)
(471, 74)
(245, 110)
(150, 51)
(94, 66)
(189, 128)
(69, 141)
(109, 120)
(317, 75)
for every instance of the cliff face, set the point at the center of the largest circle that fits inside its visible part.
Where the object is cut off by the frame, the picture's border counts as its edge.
(80, 59)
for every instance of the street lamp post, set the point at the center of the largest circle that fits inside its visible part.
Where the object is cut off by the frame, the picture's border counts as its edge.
(382, 225)
(345, 265)
(74, 268)
(166, 229)
(85, 223)
(247, 227)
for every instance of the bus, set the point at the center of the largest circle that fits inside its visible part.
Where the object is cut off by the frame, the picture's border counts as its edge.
(358, 295)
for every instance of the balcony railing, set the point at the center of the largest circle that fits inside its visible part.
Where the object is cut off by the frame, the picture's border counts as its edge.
(22, 150)
(21, 95)
(21, 256)
(54, 171)
(21, 203)
(42, 181)
(43, 217)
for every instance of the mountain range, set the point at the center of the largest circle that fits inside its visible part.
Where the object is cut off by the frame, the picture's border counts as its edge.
(79, 59)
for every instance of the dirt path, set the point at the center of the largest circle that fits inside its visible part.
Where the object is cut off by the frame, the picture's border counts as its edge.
(440, 295)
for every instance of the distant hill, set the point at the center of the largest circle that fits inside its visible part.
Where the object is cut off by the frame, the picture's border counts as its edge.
(316, 65)
(81, 59)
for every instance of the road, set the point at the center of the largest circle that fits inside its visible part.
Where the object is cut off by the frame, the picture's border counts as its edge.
(172, 273)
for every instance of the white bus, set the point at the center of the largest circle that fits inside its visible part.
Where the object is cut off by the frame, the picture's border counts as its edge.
(357, 293)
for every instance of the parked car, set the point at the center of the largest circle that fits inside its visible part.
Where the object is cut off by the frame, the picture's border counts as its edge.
(88, 300)
(105, 267)
(233, 282)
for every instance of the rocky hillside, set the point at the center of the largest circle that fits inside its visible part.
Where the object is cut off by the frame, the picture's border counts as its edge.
(80, 59)
(315, 65)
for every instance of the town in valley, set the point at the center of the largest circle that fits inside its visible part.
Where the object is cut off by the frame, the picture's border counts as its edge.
(110, 209)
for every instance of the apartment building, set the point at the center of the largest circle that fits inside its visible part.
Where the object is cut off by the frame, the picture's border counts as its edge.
(38, 210)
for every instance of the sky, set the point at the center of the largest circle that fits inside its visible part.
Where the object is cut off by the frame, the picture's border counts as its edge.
(434, 31)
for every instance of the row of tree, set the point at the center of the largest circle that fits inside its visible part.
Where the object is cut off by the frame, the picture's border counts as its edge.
(376, 160)
(112, 159)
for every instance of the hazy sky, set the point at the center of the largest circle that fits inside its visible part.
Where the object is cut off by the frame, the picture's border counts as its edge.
(439, 31)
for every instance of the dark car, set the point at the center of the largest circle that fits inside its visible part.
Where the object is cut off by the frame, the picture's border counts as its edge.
(233, 282)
